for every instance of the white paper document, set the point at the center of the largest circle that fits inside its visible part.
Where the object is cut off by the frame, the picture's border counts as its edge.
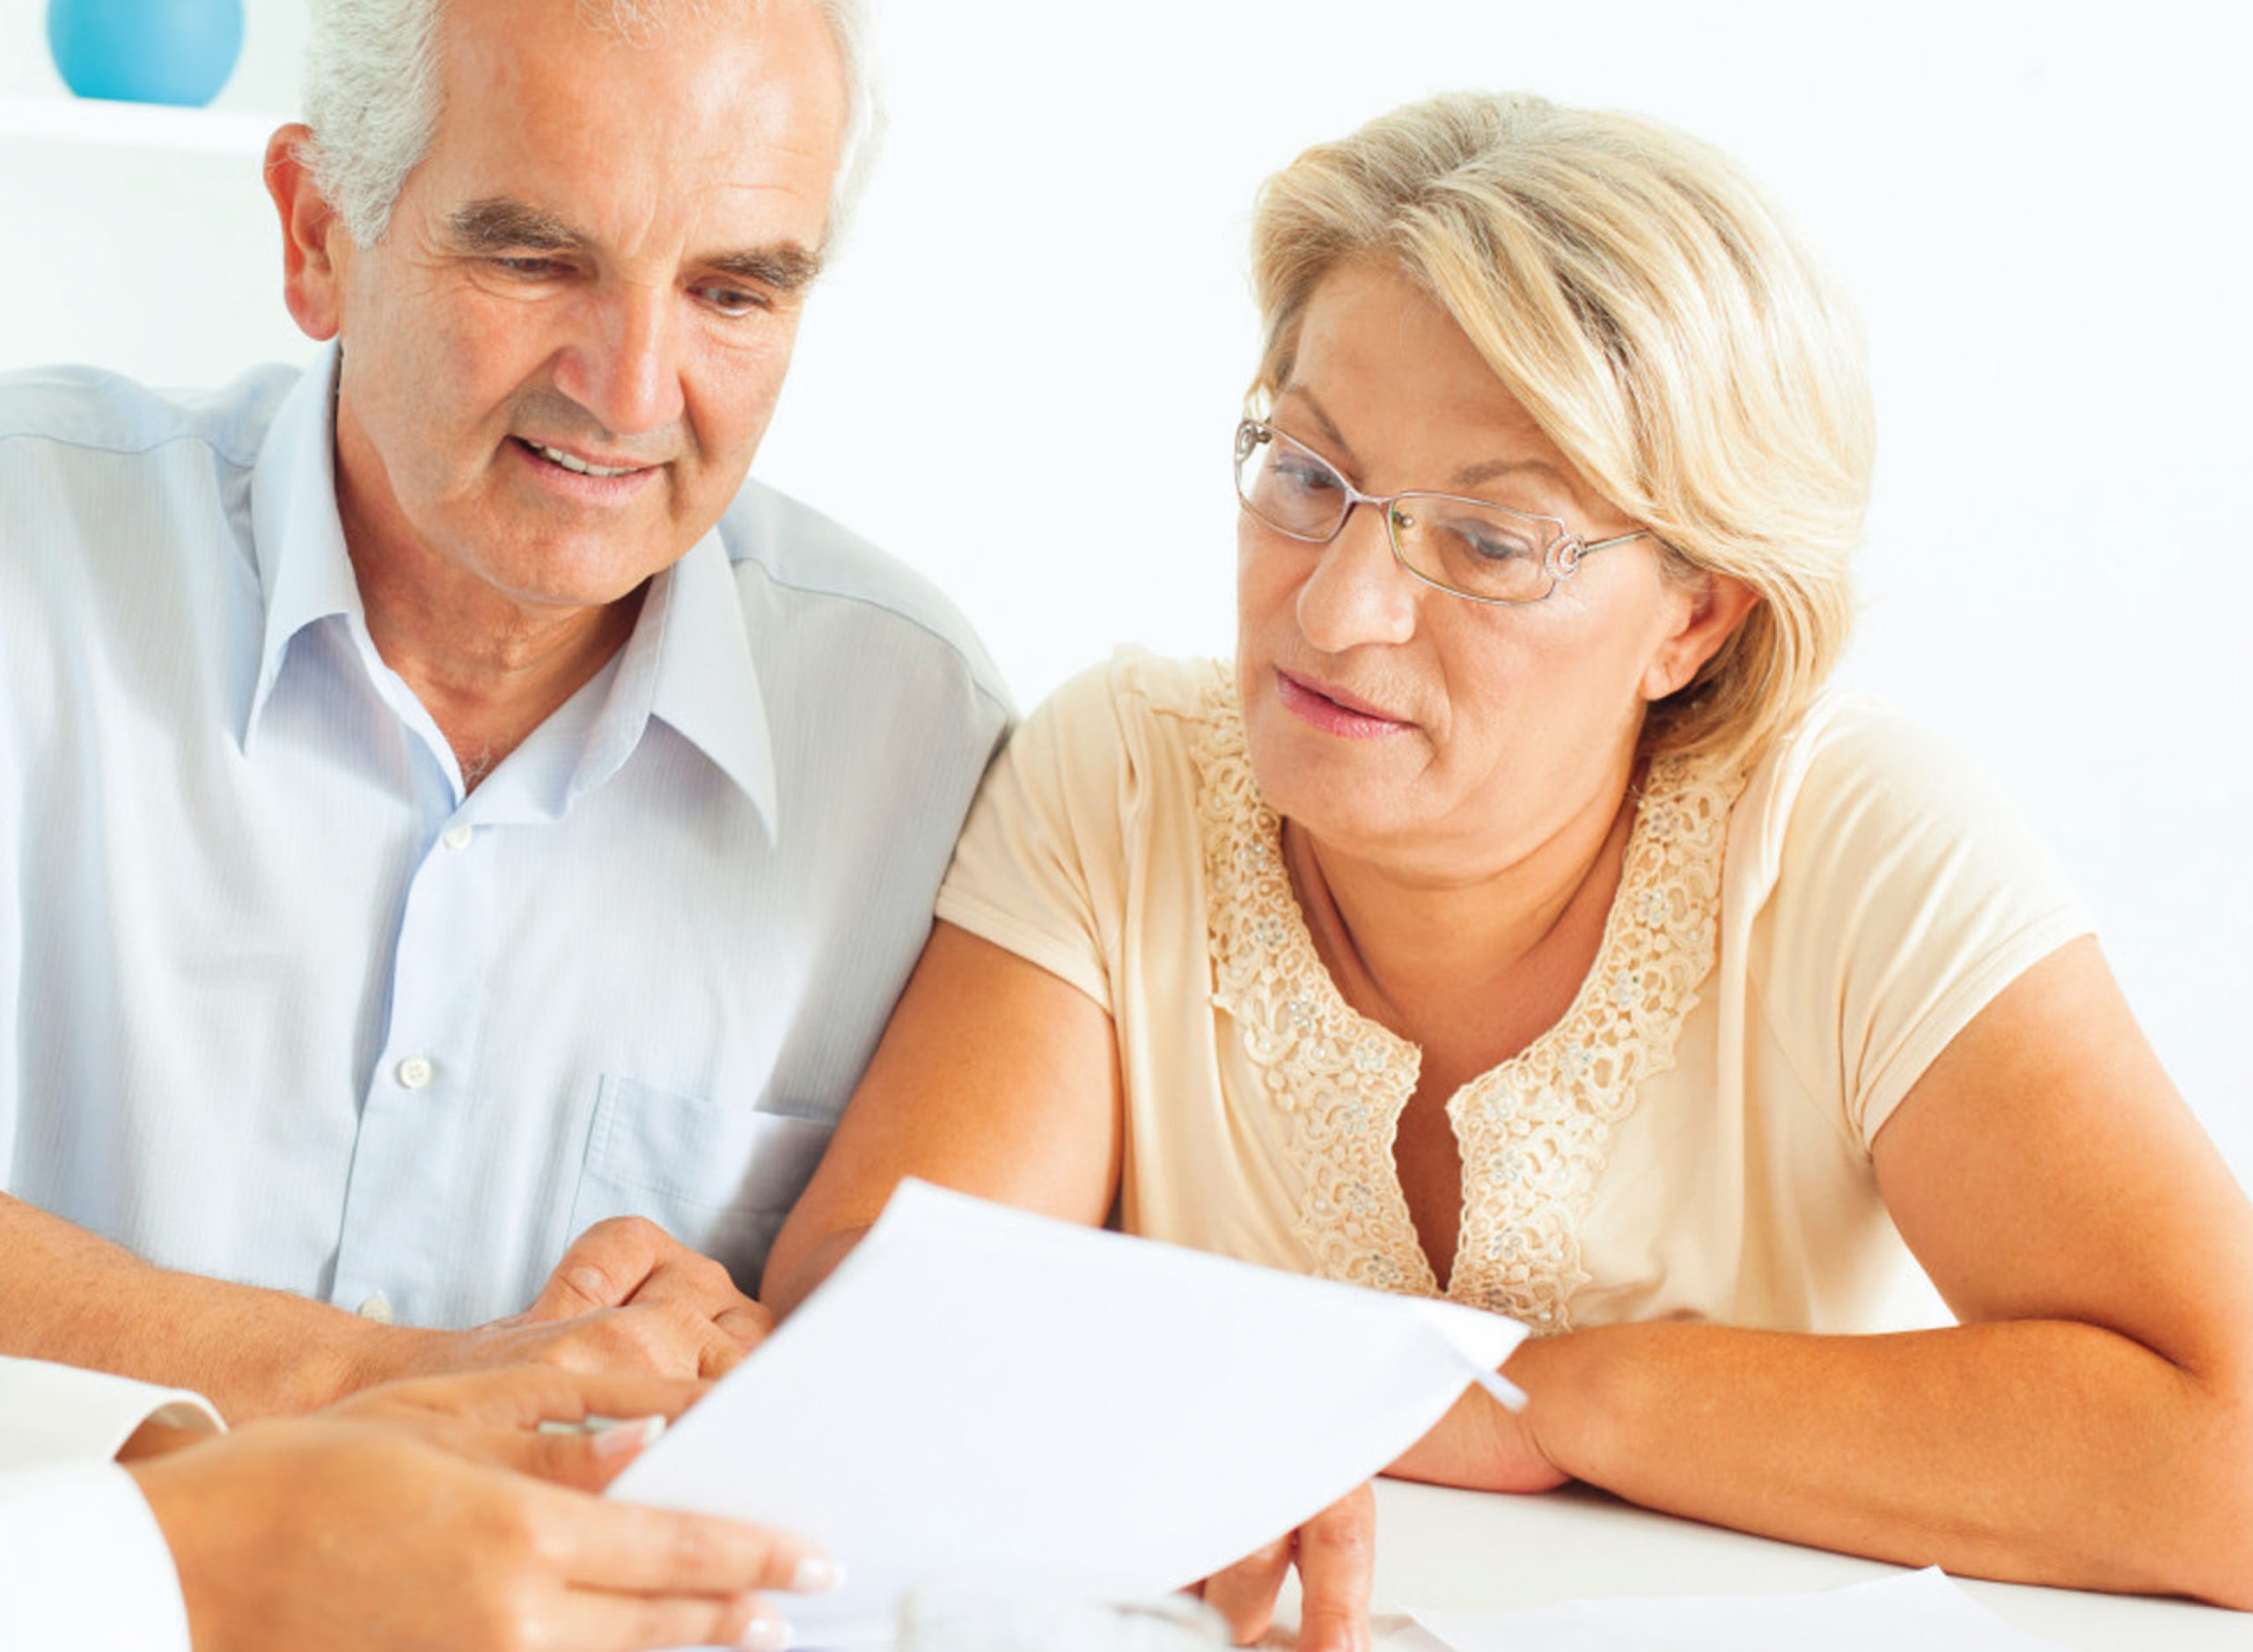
(982, 1398)
(1917, 1612)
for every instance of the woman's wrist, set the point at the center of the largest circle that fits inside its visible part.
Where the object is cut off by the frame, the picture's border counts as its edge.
(1569, 1381)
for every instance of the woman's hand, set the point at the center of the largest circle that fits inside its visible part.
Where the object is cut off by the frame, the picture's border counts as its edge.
(437, 1515)
(1336, 1555)
(1482, 1444)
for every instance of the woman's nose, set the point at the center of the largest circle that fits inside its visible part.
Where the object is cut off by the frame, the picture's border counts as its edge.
(1356, 592)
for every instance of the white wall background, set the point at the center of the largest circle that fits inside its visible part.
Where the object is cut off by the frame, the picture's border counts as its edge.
(2040, 207)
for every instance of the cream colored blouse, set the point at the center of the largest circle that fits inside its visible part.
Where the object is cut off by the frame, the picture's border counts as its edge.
(1787, 953)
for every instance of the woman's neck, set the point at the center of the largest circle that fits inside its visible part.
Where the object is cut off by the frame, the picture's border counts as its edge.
(1470, 968)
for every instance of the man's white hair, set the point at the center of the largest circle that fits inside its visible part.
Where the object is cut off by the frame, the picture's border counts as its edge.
(371, 98)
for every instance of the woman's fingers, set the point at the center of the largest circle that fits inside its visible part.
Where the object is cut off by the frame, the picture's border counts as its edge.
(1337, 1556)
(1244, 1593)
(1336, 1552)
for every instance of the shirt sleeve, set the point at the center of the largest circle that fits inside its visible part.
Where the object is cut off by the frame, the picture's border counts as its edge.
(1910, 894)
(82, 1563)
(59, 1414)
(1038, 866)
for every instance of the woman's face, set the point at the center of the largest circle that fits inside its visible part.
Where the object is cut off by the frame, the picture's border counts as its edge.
(1444, 739)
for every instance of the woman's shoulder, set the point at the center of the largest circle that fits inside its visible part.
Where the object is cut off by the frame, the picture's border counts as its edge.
(1120, 739)
(1134, 683)
(1850, 771)
(1134, 705)
(1882, 889)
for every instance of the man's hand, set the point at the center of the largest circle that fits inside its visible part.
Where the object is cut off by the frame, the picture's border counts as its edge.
(435, 1515)
(1336, 1555)
(627, 1296)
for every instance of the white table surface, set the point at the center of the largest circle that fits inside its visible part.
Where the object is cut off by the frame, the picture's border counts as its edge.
(1472, 1549)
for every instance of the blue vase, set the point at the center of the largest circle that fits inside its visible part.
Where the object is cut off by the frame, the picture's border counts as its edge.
(145, 51)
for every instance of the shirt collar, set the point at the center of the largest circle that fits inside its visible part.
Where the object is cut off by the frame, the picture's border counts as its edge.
(295, 530)
(687, 664)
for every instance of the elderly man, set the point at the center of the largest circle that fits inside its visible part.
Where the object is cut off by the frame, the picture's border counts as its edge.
(443, 805)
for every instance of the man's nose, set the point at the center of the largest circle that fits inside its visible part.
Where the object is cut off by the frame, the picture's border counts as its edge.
(1355, 592)
(624, 368)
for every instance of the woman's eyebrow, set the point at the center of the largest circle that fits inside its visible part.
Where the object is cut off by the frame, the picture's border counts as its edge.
(1340, 449)
(1469, 476)
(1473, 475)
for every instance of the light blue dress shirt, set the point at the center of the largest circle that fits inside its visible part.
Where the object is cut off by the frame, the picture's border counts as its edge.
(280, 1002)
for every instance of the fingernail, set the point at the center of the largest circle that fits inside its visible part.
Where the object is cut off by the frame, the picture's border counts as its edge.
(817, 1575)
(619, 1438)
(765, 1634)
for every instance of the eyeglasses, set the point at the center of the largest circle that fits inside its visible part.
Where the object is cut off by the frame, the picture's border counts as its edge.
(1468, 547)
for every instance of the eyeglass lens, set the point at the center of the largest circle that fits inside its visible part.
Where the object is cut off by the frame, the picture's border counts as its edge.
(1468, 546)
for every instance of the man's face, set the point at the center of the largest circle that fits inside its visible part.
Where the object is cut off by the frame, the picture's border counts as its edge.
(559, 359)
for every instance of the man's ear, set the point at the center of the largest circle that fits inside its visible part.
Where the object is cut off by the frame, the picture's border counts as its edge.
(311, 282)
(1717, 605)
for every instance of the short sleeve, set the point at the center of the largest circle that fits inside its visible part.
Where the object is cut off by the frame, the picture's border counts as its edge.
(1909, 894)
(1041, 866)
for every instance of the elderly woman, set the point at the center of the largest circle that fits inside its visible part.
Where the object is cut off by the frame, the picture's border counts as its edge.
(1520, 919)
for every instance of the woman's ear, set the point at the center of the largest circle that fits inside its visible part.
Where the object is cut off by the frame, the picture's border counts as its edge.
(1714, 606)
(311, 281)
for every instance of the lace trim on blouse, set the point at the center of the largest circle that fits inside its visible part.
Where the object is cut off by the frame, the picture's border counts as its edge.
(1533, 1132)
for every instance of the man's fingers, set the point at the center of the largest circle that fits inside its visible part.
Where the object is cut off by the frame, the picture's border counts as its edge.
(1337, 1556)
(603, 1268)
(1244, 1593)
(524, 1396)
(664, 1341)
(747, 1325)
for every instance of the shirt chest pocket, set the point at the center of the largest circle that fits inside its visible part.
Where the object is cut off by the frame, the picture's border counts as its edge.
(719, 1178)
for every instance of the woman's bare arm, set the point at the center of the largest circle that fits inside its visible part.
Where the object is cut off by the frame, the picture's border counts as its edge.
(994, 1078)
(2088, 1423)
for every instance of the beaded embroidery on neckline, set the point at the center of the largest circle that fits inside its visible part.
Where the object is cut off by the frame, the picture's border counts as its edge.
(1534, 1132)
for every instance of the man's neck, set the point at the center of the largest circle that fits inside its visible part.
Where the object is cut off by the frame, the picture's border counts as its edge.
(489, 671)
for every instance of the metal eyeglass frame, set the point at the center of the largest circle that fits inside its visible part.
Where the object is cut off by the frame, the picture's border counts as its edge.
(1560, 559)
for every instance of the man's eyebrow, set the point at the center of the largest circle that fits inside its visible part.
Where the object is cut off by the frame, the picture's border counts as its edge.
(503, 226)
(498, 226)
(782, 269)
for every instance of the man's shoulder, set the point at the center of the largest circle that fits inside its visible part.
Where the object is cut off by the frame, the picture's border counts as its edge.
(95, 410)
(805, 558)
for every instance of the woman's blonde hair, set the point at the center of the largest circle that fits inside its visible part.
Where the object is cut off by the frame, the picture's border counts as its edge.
(1652, 312)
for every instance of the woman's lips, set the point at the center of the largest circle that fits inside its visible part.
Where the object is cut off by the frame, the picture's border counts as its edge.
(1333, 711)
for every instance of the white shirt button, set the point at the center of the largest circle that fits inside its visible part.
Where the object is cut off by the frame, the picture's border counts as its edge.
(415, 1071)
(376, 1308)
(456, 837)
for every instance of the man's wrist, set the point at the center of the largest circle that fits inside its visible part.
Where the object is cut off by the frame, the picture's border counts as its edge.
(367, 1354)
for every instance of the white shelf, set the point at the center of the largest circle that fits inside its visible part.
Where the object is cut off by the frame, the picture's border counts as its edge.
(139, 125)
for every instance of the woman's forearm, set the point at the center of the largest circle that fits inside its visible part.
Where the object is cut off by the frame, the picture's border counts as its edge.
(2035, 1452)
